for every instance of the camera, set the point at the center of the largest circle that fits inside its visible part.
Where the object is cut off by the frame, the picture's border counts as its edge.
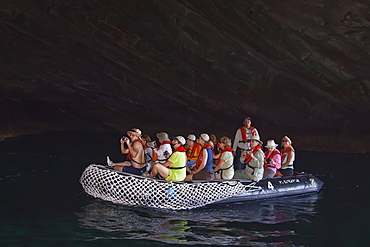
(268, 161)
(124, 138)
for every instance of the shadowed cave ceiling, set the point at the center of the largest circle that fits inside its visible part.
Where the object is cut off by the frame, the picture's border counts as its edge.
(298, 68)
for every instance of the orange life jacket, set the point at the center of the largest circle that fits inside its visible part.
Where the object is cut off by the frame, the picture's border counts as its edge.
(180, 149)
(270, 156)
(199, 160)
(284, 153)
(164, 142)
(248, 157)
(154, 156)
(244, 133)
(194, 152)
(228, 149)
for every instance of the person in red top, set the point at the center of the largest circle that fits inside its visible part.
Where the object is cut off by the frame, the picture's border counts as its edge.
(241, 141)
(134, 148)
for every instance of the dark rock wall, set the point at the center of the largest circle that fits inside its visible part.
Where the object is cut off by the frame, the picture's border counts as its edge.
(296, 67)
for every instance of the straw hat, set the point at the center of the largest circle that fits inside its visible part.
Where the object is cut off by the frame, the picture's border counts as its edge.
(134, 131)
(162, 136)
(287, 138)
(271, 144)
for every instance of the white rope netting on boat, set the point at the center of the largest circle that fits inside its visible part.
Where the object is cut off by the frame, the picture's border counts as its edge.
(132, 190)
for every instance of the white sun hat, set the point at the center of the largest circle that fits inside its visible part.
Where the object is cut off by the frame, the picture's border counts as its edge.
(191, 137)
(271, 144)
(181, 139)
(205, 137)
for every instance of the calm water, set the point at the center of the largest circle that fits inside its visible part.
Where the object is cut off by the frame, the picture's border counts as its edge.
(42, 203)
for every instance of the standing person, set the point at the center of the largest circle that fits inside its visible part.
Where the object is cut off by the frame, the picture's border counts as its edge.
(242, 135)
(164, 149)
(193, 150)
(225, 159)
(174, 168)
(253, 161)
(287, 158)
(203, 169)
(134, 149)
(272, 159)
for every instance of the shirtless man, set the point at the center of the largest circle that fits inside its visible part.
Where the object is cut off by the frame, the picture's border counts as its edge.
(134, 149)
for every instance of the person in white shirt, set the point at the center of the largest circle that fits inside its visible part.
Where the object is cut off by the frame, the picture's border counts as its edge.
(164, 150)
(242, 135)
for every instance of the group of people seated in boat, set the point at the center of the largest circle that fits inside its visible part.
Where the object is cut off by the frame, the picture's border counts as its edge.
(205, 157)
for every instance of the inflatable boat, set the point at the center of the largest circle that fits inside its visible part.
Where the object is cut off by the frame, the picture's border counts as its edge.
(131, 190)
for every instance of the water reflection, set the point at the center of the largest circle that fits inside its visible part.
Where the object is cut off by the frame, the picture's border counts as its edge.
(250, 223)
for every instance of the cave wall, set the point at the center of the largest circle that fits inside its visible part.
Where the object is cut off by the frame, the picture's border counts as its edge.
(297, 67)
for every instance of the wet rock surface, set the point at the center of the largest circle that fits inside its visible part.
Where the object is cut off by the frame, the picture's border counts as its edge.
(298, 68)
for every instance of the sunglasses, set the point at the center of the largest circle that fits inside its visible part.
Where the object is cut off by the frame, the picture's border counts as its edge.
(284, 141)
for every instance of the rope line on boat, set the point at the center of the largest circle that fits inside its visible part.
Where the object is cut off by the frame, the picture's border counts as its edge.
(133, 190)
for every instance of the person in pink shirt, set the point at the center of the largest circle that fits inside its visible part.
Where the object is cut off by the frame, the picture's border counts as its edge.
(272, 159)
